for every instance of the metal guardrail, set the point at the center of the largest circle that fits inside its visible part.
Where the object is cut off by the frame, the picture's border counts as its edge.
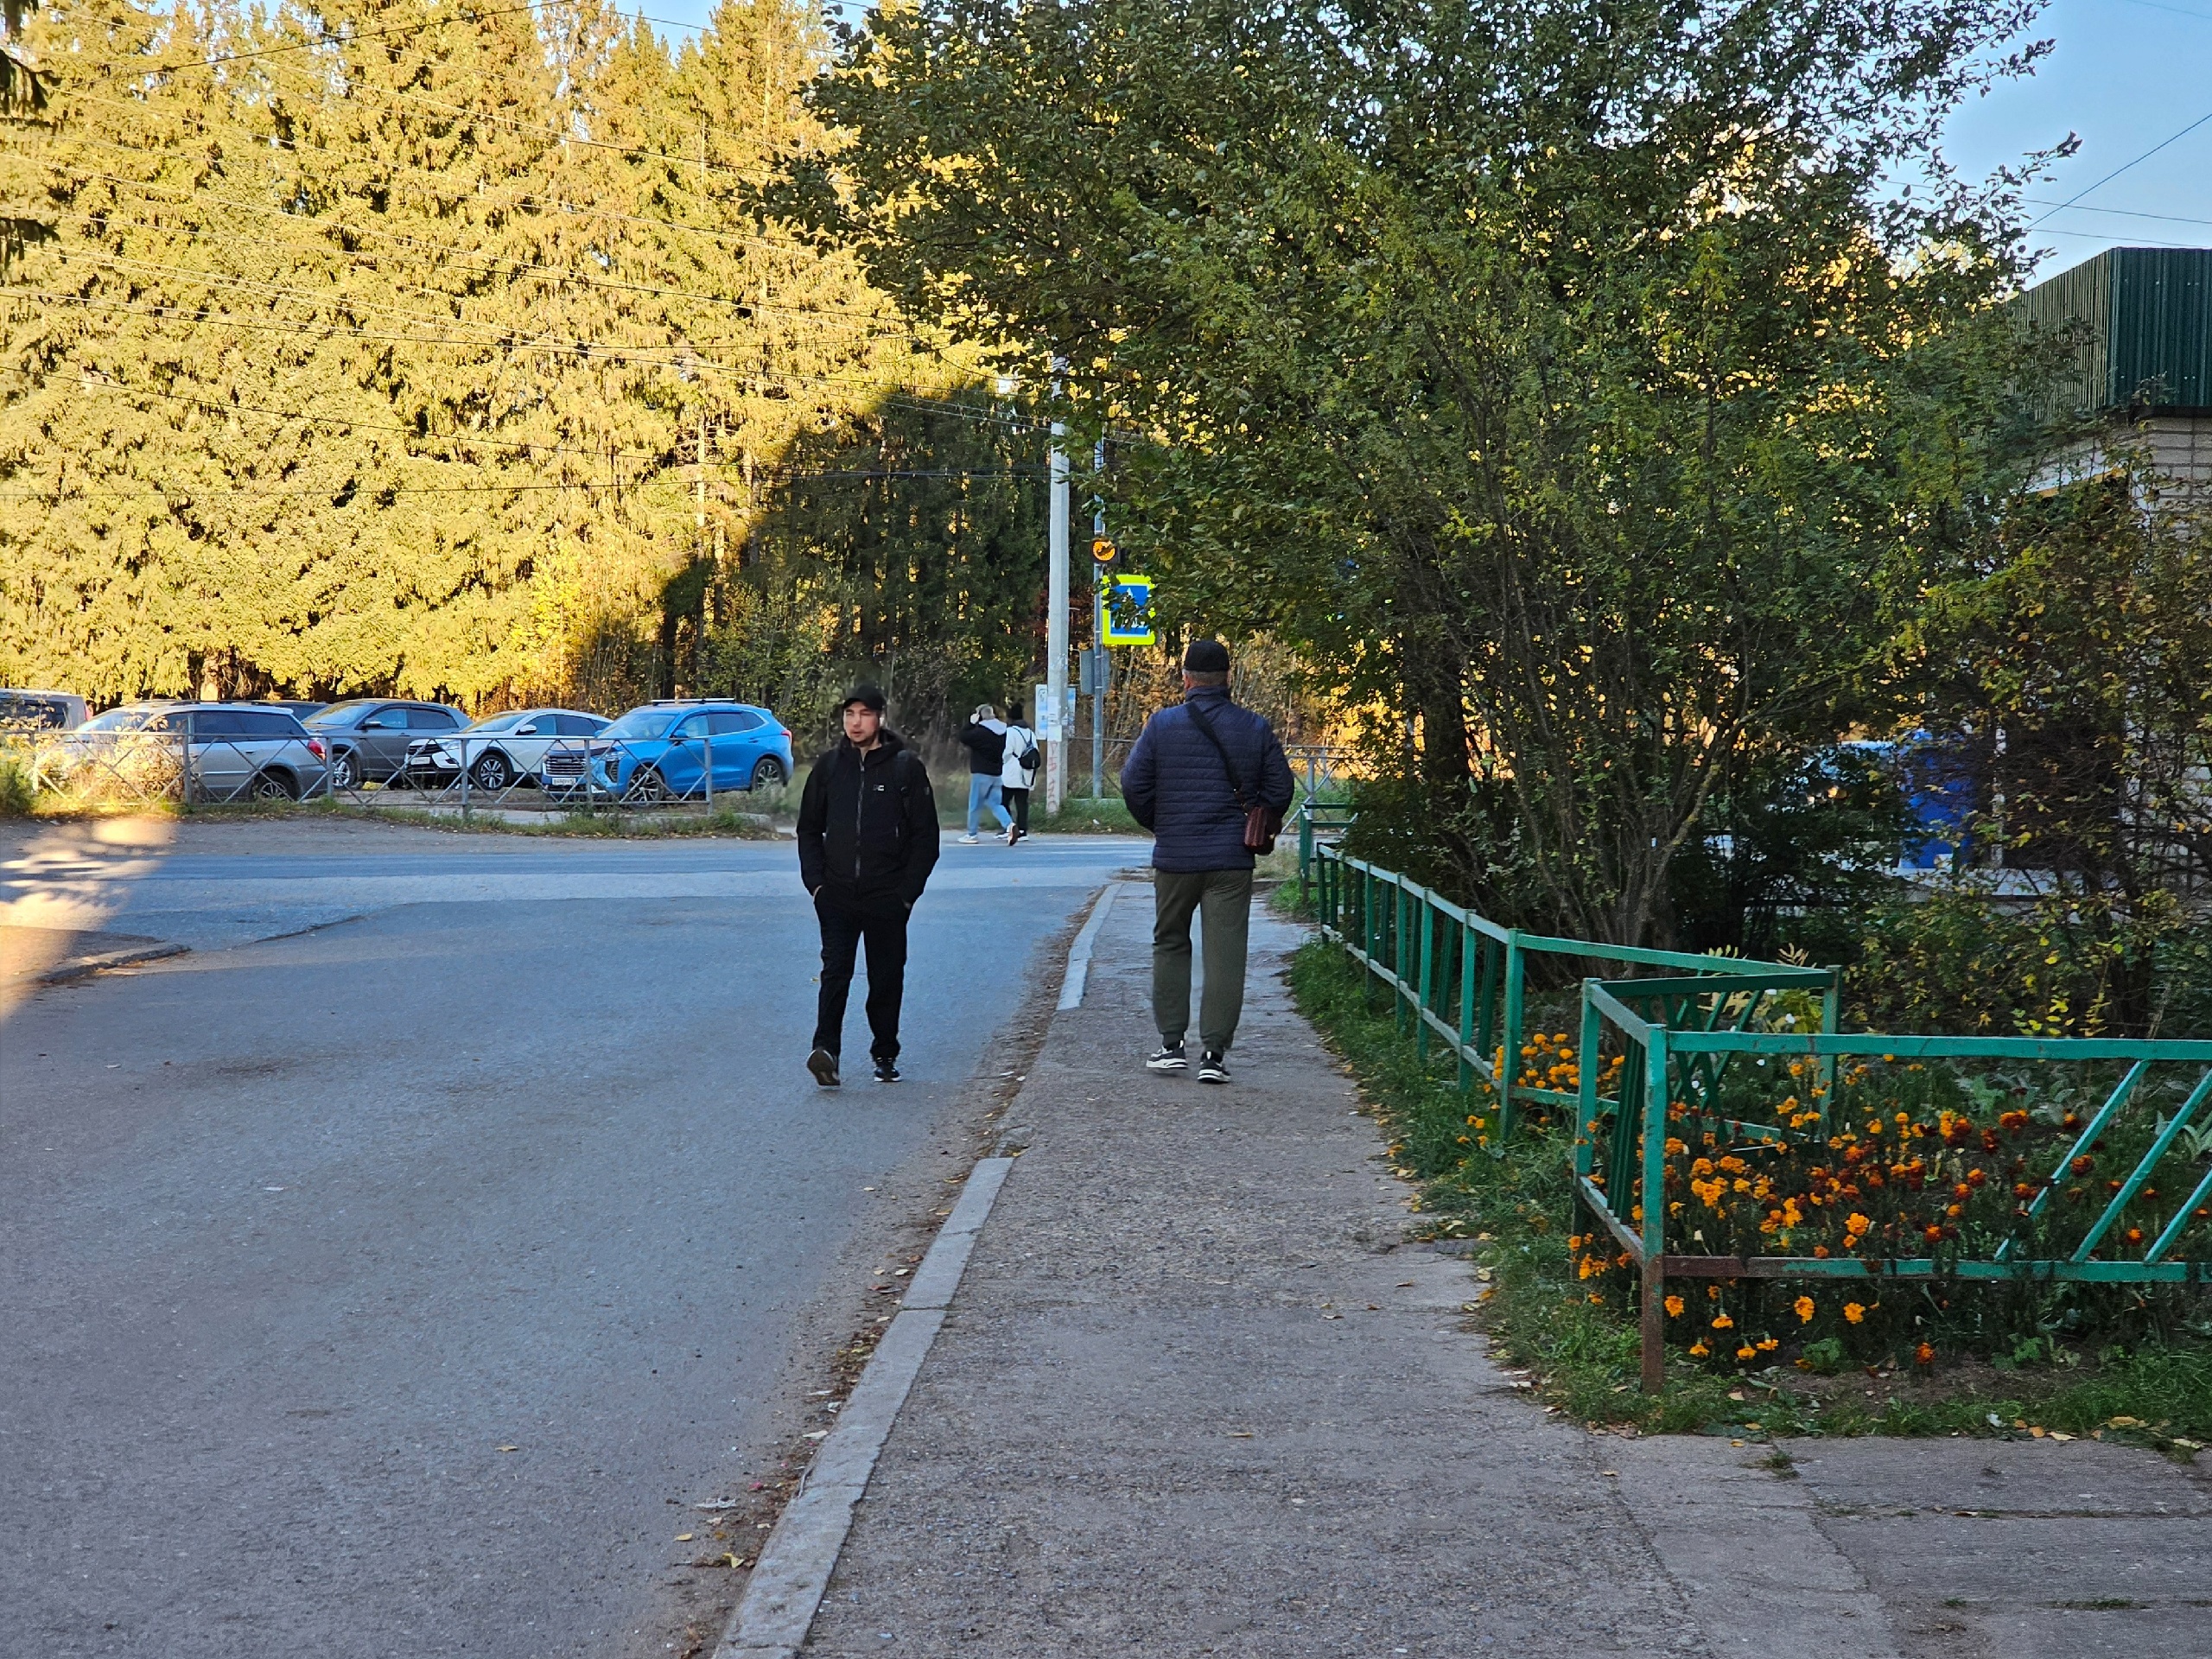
(1461, 978)
(577, 774)
(186, 767)
(1781, 1149)
(2010, 1193)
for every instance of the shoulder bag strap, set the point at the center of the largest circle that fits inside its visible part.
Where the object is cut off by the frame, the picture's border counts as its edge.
(1236, 784)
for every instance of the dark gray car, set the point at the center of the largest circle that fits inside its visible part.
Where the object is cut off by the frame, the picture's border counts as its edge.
(368, 736)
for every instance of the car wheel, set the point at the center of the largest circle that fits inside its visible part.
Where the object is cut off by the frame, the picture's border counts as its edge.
(649, 788)
(272, 786)
(491, 772)
(344, 771)
(769, 774)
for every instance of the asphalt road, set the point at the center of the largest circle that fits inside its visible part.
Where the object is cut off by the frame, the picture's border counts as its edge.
(379, 1290)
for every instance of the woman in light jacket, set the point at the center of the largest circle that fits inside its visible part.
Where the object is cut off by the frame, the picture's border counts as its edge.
(1018, 774)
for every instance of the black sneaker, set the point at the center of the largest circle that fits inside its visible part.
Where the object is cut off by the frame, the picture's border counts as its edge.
(823, 1064)
(1168, 1057)
(886, 1071)
(1212, 1068)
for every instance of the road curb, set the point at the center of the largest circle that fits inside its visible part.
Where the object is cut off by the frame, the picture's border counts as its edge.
(1078, 972)
(85, 967)
(792, 1572)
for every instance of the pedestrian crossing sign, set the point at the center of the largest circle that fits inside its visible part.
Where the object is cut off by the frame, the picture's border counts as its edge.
(1125, 611)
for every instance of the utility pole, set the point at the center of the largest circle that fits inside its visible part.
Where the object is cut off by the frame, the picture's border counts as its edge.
(1055, 627)
(699, 517)
(1098, 670)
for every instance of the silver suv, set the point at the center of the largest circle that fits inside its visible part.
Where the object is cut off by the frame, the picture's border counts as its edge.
(234, 751)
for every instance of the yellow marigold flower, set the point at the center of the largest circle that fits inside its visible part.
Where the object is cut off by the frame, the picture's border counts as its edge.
(1805, 1309)
(1857, 1225)
(1767, 1344)
(1855, 1311)
(1700, 1349)
(1675, 1306)
(1722, 1322)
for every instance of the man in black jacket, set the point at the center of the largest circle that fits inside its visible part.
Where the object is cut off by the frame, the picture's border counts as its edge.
(866, 843)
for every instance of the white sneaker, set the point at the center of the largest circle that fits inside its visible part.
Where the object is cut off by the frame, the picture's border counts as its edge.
(969, 841)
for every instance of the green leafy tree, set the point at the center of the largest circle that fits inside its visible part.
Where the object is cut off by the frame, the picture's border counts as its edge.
(1569, 381)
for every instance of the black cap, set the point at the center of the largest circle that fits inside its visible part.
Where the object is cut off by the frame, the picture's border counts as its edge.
(1206, 656)
(869, 696)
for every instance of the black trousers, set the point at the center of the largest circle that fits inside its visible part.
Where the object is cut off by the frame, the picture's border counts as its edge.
(1017, 801)
(845, 920)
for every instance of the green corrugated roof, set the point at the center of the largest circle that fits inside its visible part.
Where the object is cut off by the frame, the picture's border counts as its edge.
(2149, 317)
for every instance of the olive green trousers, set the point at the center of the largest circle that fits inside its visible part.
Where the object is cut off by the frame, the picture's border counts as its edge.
(1223, 900)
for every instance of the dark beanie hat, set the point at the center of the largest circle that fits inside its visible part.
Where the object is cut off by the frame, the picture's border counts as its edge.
(869, 696)
(1206, 656)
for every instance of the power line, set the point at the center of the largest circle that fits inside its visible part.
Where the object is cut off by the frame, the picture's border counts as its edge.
(2124, 166)
(62, 492)
(553, 133)
(2124, 212)
(671, 460)
(328, 38)
(517, 268)
(2100, 236)
(892, 392)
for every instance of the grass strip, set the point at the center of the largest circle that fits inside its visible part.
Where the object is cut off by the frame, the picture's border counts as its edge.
(1516, 1211)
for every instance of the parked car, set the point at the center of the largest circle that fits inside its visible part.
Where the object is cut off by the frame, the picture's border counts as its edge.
(502, 749)
(79, 756)
(40, 711)
(300, 706)
(658, 752)
(224, 752)
(368, 736)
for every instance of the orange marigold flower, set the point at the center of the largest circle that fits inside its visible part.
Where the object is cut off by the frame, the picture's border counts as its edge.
(1675, 1306)
(1768, 1345)
(1805, 1309)
(1700, 1349)
(1747, 1352)
(2135, 1234)
(1855, 1311)
(1925, 1354)
(1722, 1322)
(1857, 1225)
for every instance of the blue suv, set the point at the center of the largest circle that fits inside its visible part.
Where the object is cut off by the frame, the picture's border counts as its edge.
(659, 753)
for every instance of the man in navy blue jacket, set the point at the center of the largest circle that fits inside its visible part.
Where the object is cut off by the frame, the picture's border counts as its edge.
(1183, 781)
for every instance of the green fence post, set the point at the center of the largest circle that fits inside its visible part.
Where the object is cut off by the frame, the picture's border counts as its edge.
(1509, 1038)
(1654, 1330)
(1398, 902)
(1466, 1003)
(1426, 947)
(1370, 940)
(1831, 1010)
(1585, 1121)
(1305, 852)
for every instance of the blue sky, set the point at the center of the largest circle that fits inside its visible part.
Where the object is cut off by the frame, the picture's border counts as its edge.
(2125, 75)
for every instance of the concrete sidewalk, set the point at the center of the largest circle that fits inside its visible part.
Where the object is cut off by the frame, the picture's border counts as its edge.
(1196, 1394)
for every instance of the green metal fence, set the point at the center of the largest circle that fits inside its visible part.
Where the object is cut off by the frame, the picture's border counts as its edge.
(1723, 1086)
(1671, 1113)
(1461, 979)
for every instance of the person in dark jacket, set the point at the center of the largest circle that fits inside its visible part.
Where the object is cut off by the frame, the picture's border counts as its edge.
(984, 738)
(1183, 781)
(866, 843)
